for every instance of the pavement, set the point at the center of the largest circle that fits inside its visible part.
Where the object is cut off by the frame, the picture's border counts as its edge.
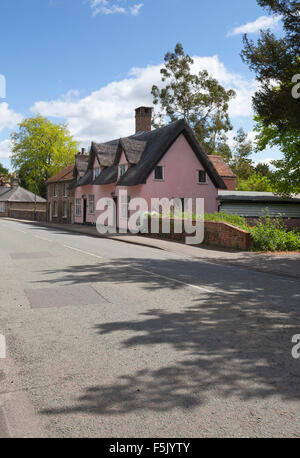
(113, 339)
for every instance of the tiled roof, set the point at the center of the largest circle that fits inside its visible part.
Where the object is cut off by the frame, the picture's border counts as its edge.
(65, 174)
(222, 168)
(4, 190)
(18, 194)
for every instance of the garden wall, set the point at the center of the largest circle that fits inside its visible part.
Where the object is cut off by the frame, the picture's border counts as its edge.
(225, 235)
(28, 215)
(215, 233)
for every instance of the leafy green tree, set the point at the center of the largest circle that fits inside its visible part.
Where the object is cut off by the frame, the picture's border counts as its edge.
(276, 62)
(277, 59)
(40, 149)
(241, 163)
(256, 182)
(286, 177)
(3, 170)
(263, 169)
(198, 98)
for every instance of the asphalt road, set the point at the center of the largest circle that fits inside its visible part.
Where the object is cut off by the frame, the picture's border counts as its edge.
(108, 339)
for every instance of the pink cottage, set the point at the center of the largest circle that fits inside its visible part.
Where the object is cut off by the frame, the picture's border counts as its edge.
(168, 162)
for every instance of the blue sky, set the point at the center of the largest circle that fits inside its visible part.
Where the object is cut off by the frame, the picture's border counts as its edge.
(91, 62)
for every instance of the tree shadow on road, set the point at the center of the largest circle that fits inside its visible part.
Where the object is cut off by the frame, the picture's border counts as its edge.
(234, 341)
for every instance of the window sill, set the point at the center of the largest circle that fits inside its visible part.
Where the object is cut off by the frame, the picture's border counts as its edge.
(202, 183)
(156, 179)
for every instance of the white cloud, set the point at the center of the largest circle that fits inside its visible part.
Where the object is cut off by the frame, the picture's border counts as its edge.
(109, 111)
(115, 7)
(251, 135)
(135, 9)
(263, 22)
(8, 118)
(5, 150)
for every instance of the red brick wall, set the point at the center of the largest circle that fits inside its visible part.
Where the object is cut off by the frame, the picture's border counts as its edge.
(143, 116)
(217, 234)
(28, 215)
(60, 198)
(227, 236)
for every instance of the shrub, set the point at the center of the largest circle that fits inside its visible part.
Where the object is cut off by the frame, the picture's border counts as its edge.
(271, 235)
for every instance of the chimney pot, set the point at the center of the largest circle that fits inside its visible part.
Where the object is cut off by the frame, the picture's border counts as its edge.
(143, 118)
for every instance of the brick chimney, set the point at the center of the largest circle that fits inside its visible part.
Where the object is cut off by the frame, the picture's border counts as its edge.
(83, 151)
(143, 117)
(14, 181)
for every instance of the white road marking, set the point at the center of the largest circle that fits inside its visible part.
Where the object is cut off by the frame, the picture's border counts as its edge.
(84, 252)
(173, 279)
(19, 230)
(148, 272)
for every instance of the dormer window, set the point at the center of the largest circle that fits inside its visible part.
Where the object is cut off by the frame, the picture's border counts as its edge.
(97, 172)
(159, 173)
(122, 169)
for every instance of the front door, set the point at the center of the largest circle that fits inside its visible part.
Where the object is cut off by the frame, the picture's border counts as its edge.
(50, 212)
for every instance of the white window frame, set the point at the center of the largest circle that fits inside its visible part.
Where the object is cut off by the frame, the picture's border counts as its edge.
(55, 209)
(55, 189)
(2, 207)
(91, 204)
(65, 190)
(65, 209)
(163, 173)
(124, 206)
(202, 182)
(78, 207)
(123, 169)
(96, 172)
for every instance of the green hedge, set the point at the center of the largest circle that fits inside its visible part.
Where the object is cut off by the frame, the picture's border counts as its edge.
(270, 234)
